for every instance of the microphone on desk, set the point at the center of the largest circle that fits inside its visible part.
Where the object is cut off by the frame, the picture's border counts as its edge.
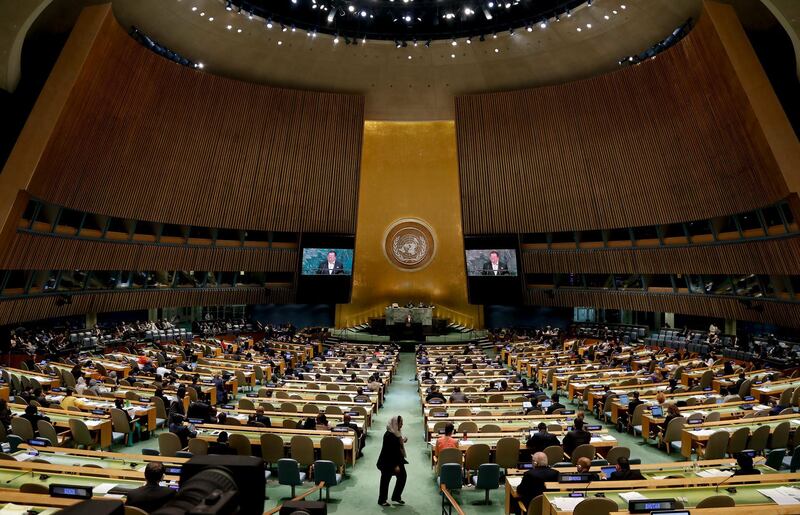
(716, 490)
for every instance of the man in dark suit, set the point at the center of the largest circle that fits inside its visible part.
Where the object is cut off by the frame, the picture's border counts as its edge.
(347, 421)
(576, 437)
(533, 481)
(32, 415)
(221, 446)
(554, 404)
(541, 439)
(150, 496)
(331, 265)
(261, 418)
(494, 266)
(635, 402)
(624, 472)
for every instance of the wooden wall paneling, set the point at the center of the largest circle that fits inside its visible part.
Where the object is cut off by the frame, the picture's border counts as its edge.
(43, 252)
(769, 312)
(142, 137)
(671, 139)
(18, 310)
(774, 256)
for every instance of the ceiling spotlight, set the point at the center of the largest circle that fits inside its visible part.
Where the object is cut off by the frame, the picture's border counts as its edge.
(469, 41)
(228, 6)
(200, 65)
(543, 24)
(454, 42)
(269, 23)
(336, 40)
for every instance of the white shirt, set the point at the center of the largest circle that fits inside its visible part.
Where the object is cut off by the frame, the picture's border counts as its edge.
(495, 267)
(330, 268)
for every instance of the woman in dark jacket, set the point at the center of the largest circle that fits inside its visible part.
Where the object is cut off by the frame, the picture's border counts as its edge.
(392, 462)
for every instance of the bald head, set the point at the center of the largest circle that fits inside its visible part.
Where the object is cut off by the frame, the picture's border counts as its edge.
(584, 464)
(539, 459)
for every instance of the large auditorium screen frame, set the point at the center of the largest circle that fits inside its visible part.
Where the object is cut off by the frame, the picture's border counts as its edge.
(327, 261)
(491, 262)
(483, 285)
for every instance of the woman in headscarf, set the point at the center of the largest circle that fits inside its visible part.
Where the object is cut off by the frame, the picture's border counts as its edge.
(80, 386)
(392, 462)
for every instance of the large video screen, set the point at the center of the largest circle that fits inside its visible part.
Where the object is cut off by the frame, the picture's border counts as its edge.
(491, 263)
(327, 262)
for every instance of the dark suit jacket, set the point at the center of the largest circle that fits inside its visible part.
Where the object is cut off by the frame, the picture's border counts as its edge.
(632, 406)
(391, 453)
(575, 438)
(338, 268)
(502, 268)
(149, 498)
(554, 407)
(220, 448)
(533, 481)
(626, 475)
(540, 441)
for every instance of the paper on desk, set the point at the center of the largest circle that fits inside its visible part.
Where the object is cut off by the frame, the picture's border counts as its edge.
(703, 432)
(567, 503)
(631, 496)
(103, 488)
(658, 477)
(14, 509)
(514, 480)
(782, 495)
(24, 457)
(714, 473)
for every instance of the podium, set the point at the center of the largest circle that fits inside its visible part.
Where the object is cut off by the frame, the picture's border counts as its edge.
(399, 316)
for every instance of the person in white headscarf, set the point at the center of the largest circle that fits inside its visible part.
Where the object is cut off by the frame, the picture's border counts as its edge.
(80, 386)
(392, 462)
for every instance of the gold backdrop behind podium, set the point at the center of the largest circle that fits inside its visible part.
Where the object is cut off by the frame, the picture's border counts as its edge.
(409, 170)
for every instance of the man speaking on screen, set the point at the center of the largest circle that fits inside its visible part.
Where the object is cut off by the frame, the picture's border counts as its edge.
(494, 266)
(331, 265)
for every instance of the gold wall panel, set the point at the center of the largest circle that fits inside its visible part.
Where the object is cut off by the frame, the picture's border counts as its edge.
(409, 170)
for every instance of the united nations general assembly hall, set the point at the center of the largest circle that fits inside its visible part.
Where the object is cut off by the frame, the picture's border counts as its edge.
(399, 257)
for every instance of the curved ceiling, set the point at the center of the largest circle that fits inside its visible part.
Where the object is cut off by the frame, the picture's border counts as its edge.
(411, 83)
(406, 20)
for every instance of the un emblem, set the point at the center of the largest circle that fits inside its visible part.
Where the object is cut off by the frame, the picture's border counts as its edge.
(409, 244)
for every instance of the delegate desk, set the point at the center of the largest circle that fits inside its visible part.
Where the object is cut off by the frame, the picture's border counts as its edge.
(602, 442)
(290, 394)
(99, 425)
(763, 392)
(727, 411)
(277, 418)
(650, 471)
(46, 381)
(210, 432)
(83, 457)
(688, 491)
(137, 409)
(507, 423)
(693, 436)
(295, 406)
(701, 398)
